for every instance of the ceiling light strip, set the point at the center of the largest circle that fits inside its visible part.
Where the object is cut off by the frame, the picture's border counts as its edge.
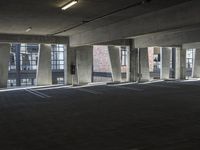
(70, 4)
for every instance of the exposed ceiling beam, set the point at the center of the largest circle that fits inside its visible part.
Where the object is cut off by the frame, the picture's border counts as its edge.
(13, 38)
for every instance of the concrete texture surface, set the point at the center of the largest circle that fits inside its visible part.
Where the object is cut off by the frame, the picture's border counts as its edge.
(4, 61)
(114, 57)
(196, 64)
(44, 71)
(84, 62)
(165, 62)
(156, 116)
(144, 65)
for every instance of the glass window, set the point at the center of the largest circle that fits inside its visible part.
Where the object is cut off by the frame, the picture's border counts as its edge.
(189, 58)
(29, 56)
(60, 80)
(123, 56)
(12, 61)
(57, 57)
(11, 82)
(27, 82)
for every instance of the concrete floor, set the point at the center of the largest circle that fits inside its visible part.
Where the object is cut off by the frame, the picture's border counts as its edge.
(156, 116)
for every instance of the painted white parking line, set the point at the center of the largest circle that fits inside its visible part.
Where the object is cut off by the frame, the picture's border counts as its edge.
(89, 91)
(29, 91)
(45, 95)
(36, 93)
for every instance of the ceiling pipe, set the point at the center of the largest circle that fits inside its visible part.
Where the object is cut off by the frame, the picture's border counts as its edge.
(103, 16)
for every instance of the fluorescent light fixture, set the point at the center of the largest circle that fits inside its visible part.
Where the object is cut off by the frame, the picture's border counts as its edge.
(29, 29)
(68, 5)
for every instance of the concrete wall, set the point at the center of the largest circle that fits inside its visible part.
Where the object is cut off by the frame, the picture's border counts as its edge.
(70, 59)
(4, 61)
(144, 64)
(115, 61)
(134, 63)
(151, 58)
(165, 63)
(177, 63)
(44, 72)
(183, 63)
(196, 64)
(84, 61)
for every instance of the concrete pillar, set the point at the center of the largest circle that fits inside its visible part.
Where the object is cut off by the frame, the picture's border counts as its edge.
(4, 62)
(128, 65)
(196, 64)
(165, 63)
(134, 62)
(70, 59)
(18, 66)
(144, 65)
(183, 64)
(151, 58)
(84, 61)
(176, 62)
(115, 62)
(44, 72)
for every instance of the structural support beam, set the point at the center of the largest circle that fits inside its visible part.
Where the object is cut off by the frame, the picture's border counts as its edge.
(15, 38)
(180, 63)
(170, 39)
(163, 20)
(195, 45)
(70, 60)
(196, 64)
(18, 66)
(177, 62)
(84, 61)
(114, 54)
(44, 72)
(4, 61)
(144, 65)
(183, 64)
(134, 63)
(165, 63)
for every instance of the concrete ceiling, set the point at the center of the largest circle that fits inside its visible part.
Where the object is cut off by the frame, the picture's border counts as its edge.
(46, 17)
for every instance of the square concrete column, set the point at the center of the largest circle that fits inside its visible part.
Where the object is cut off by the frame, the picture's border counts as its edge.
(177, 62)
(44, 72)
(84, 61)
(144, 74)
(183, 64)
(115, 61)
(180, 63)
(165, 63)
(134, 64)
(196, 64)
(70, 59)
(4, 62)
